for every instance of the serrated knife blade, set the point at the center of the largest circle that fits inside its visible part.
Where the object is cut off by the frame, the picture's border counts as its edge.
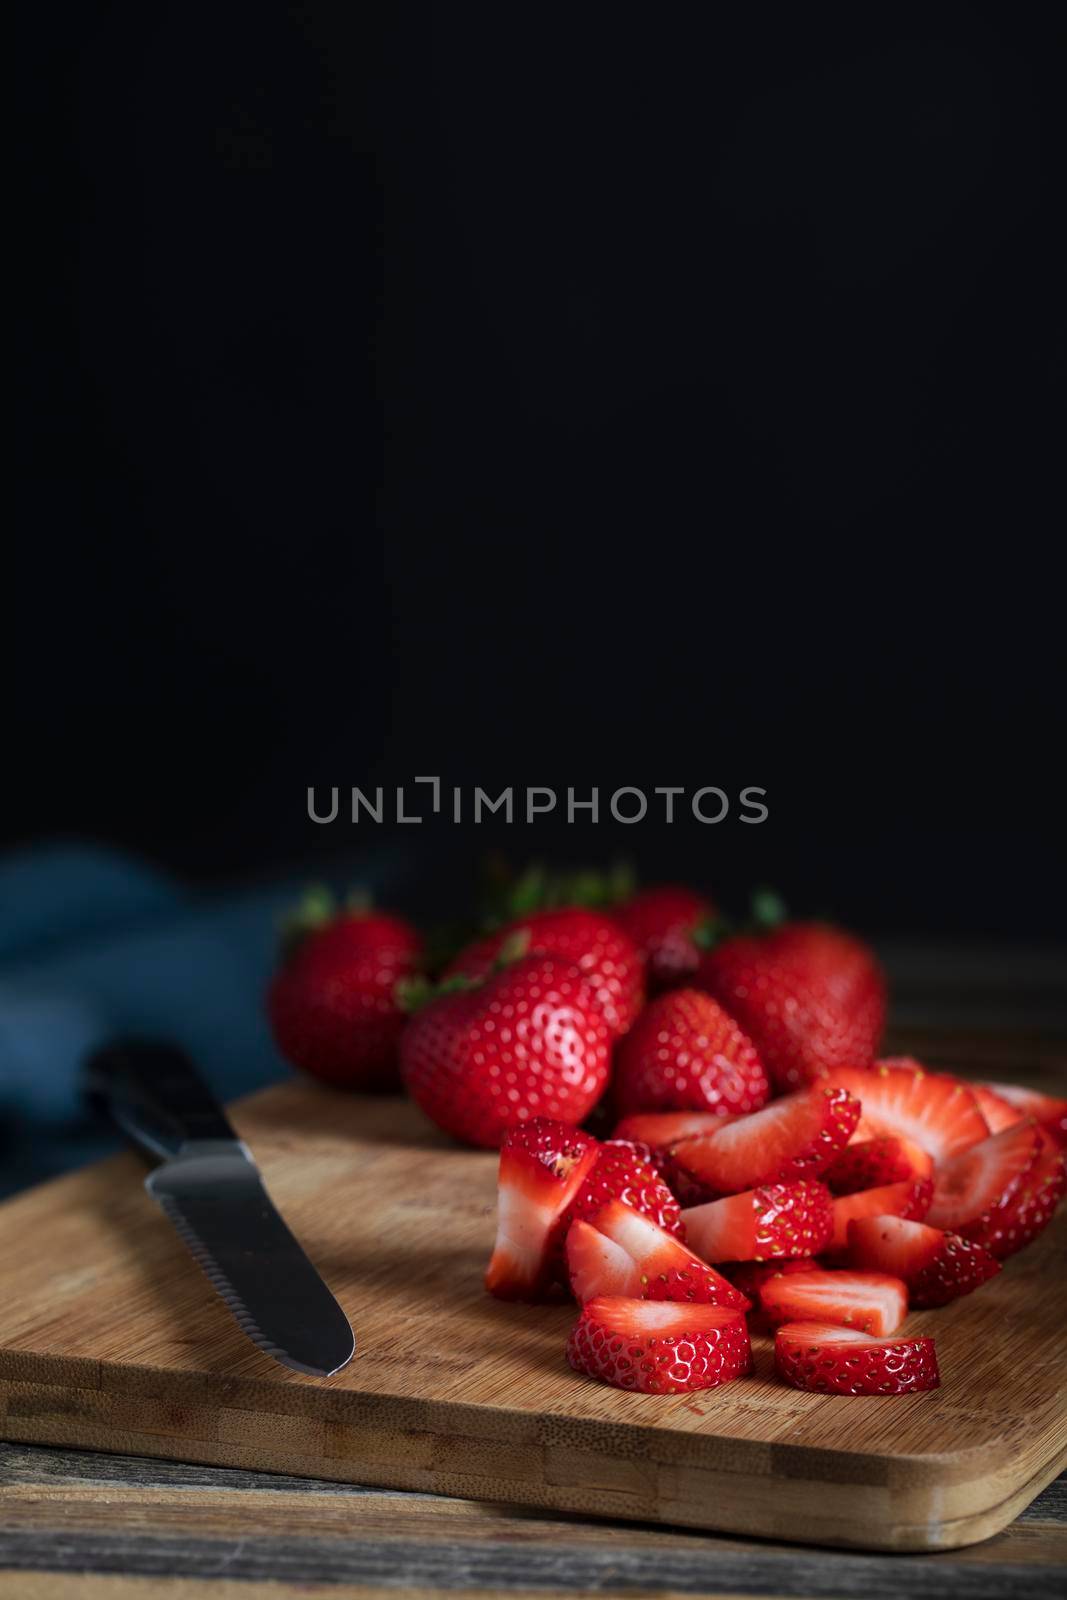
(210, 1189)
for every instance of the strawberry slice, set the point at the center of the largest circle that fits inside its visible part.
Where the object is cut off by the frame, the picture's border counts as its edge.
(997, 1111)
(795, 1137)
(661, 1129)
(1047, 1111)
(971, 1183)
(870, 1302)
(659, 1349)
(624, 1171)
(750, 1277)
(874, 1162)
(831, 1360)
(936, 1267)
(777, 1219)
(910, 1199)
(543, 1165)
(644, 1262)
(935, 1111)
(1027, 1210)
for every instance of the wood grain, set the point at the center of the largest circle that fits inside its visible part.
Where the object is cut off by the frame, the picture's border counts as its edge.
(72, 1512)
(110, 1339)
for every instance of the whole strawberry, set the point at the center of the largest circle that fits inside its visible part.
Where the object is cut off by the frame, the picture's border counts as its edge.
(529, 1040)
(607, 957)
(810, 997)
(684, 1053)
(662, 923)
(331, 1003)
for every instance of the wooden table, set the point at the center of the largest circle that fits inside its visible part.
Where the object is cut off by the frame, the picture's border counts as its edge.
(85, 1525)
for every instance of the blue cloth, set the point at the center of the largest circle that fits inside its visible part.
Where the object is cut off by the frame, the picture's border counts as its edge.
(94, 944)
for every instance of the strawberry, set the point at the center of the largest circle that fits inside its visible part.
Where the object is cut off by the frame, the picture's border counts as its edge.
(685, 1054)
(936, 1266)
(1028, 1209)
(624, 1171)
(831, 1360)
(643, 1262)
(874, 1162)
(971, 1183)
(607, 957)
(778, 1219)
(870, 1302)
(998, 1112)
(909, 1199)
(750, 1277)
(331, 1003)
(1048, 1112)
(796, 1137)
(543, 1165)
(529, 1041)
(810, 997)
(932, 1109)
(659, 1349)
(662, 1129)
(662, 923)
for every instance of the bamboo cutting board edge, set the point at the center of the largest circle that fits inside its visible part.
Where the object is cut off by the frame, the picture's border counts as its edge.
(569, 1445)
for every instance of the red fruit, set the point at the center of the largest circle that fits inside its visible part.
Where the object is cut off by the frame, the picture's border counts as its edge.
(684, 1053)
(662, 1129)
(623, 1172)
(643, 1262)
(972, 1182)
(1048, 1112)
(750, 1277)
(936, 1267)
(873, 1162)
(332, 1005)
(870, 1302)
(810, 997)
(607, 957)
(996, 1110)
(796, 1137)
(662, 922)
(659, 1349)
(910, 1199)
(930, 1108)
(543, 1165)
(530, 1041)
(778, 1219)
(831, 1360)
(1028, 1209)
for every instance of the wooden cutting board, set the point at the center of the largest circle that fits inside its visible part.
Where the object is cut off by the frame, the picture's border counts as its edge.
(111, 1339)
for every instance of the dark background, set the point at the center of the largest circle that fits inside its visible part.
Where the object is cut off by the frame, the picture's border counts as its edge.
(547, 395)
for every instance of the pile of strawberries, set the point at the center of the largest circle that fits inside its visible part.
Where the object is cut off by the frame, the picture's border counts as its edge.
(767, 1169)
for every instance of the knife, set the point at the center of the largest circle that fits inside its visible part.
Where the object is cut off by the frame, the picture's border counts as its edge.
(210, 1188)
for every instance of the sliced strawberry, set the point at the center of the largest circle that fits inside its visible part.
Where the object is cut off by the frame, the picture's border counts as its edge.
(1046, 1110)
(1027, 1210)
(660, 1267)
(778, 1219)
(910, 1199)
(936, 1266)
(624, 1171)
(832, 1360)
(868, 1165)
(870, 1302)
(750, 1277)
(796, 1137)
(661, 1129)
(935, 1111)
(543, 1165)
(998, 1112)
(659, 1349)
(972, 1182)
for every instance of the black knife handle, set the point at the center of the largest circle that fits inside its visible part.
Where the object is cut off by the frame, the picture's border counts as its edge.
(155, 1094)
